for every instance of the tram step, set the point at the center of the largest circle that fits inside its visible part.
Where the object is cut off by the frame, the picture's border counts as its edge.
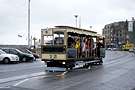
(55, 69)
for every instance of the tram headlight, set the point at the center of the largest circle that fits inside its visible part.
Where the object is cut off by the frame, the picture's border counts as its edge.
(63, 62)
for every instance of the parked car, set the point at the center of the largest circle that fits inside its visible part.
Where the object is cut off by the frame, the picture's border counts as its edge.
(113, 49)
(7, 58)
(131, 50)
(134, 50)
(30, 52)
(109, 48)
(22, 56)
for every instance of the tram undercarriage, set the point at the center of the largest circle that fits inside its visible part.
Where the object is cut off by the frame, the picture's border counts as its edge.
(59, 65)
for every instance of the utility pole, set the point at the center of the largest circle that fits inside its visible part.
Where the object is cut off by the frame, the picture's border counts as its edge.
(90, 27)
(29, 23)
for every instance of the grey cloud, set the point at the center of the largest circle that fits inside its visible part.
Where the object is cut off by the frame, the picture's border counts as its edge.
(122, 4)
(13, 15)
(44, 13)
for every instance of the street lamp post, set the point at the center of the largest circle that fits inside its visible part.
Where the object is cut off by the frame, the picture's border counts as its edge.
(28, 23)
(34, 39)
(90, 27)
(76, 19)
(79, 22)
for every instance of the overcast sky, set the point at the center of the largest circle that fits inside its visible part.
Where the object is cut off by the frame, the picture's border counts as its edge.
(49, 13)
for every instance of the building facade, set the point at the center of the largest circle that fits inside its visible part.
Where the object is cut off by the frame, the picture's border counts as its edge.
(118, 33)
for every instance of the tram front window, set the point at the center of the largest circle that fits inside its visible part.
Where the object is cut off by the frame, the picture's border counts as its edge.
(56, 39)
(54, 43)
(48, 40)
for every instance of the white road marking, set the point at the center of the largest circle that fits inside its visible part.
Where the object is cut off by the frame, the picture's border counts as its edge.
(21, 77)
(3, 71)
(25, 78)
(21, 82)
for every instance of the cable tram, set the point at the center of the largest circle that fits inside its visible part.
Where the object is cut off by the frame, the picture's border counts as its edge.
(66, 47)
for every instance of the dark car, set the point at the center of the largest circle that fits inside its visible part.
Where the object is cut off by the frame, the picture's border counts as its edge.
(23, 57)
(134, 50)
(30, 52)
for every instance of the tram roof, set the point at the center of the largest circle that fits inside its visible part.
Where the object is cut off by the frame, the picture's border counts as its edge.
(77, 30)
(71, 30)
(70, 27)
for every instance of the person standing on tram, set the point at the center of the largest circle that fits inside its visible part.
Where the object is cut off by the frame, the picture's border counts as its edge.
(98, 46)
(88, 47)
(77, 46)
(83, 48)
(87, 42)
(91, 46)
(70, 42)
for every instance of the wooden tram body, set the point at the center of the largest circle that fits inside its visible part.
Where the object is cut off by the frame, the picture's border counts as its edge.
(60, 53)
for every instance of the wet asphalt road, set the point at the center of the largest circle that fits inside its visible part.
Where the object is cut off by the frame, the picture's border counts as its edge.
(117, 73)
(10, 70)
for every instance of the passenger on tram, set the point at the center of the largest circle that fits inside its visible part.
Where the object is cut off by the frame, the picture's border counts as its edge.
(77, 46)
(99, 45)
(83, 48)
(91, 46)
(87, 47)
(71, 42)
(71, 51)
